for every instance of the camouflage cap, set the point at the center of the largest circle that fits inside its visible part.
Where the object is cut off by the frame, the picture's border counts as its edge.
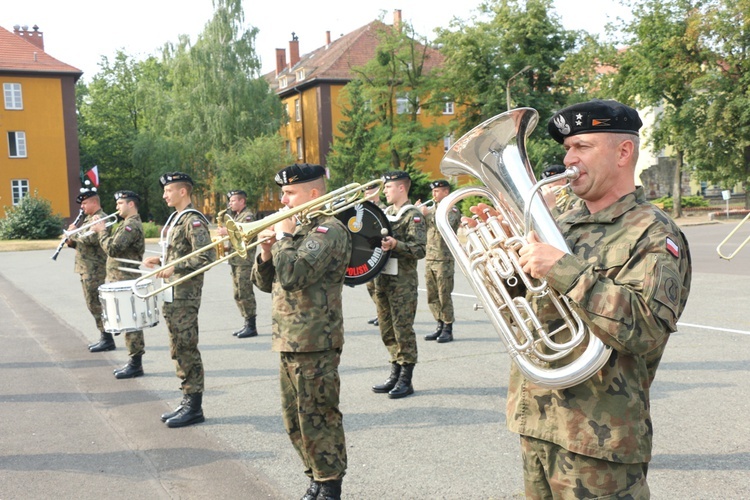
(127, 195)
(299, 173)
(594, 116)
(171, 177)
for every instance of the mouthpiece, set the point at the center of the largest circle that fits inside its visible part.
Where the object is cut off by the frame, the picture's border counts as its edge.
(572, 172)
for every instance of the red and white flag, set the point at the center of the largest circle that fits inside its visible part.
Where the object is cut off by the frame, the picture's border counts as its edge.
(93, 175)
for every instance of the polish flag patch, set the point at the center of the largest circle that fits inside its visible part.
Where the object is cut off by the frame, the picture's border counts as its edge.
(417, 219)
(672, 247)
(128, 228)
(196, 223)
(321, 229)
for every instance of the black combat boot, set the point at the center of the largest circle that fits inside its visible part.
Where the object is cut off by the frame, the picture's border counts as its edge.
(437, 332)
(403, 386)
(373, 321)
(166, 416)
(330, 490)
(447, 335)
(133, 369)
(191, 412)
(390, 382)
(249, 330)
(106, 343)
(312, 490)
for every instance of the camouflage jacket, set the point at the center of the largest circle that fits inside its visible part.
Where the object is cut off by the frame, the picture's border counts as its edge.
(437, 249)
(410, 232)
(186, 232)
(90, 257)
(126, 242)
(243, 216)
(628, 276)
(306, 277)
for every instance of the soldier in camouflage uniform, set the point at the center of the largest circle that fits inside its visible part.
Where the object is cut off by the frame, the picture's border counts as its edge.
(628, 276)
(244, 295)
(439, 268)
(396, 286)
(126, 241)
(186, 230)
(91, 263)
(373, 194)
(303, 266)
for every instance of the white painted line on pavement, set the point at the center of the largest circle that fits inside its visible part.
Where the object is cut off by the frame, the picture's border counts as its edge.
(728, 330)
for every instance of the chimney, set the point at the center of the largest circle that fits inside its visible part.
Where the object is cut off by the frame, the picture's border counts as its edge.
(328, 38)
(280, 61)
(397, 19)
(293, 51)
(36, 37)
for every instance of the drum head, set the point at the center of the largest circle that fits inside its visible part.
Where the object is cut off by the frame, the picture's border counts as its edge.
(365, 222)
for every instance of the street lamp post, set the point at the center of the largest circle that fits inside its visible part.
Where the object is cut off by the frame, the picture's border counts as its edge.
(507, 85)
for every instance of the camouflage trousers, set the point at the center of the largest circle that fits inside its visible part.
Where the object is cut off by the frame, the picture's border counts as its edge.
(90, 284)
(181, 317)
(135, 343)
(244, 295)
(552, 472)
(396, 301)
(310, 389)
(439, 279)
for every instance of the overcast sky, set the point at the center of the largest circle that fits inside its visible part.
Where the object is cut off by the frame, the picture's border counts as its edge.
(80, 32)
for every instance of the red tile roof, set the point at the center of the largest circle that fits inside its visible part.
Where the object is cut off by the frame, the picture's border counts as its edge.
(19, 55)
(335, 61)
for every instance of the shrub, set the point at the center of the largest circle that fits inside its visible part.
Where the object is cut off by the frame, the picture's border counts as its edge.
(151, 230)
(687, 202)
(31, 219)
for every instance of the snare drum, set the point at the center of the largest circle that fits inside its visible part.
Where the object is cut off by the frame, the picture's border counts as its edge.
(122, 311)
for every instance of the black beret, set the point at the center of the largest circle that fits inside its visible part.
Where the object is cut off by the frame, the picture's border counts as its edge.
(127, 195)
(86, 192)
(299, 173)
(238, 192)
(171, 177)
(396, 175)
(594, 116)
(552, 170)
(440, 183)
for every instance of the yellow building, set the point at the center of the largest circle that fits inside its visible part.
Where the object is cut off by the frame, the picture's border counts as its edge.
(310, 88)
(38, 124)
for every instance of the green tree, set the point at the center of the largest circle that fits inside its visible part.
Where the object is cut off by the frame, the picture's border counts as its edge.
(663, 59)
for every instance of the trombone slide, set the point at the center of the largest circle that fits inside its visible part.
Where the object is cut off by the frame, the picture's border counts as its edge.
(739, 247)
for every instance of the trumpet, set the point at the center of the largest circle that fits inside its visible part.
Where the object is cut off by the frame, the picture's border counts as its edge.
(112, 216)
(741, 245)
(241, 234)
(429, 204)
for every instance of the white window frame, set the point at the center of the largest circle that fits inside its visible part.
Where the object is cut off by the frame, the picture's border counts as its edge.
(300, 74)
(449, 108)
(19, 188)
(297, 110)
(300, 149)
(13, 96)
(283, 82)
(17, 141)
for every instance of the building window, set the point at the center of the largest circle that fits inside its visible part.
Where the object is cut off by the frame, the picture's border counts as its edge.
(297, 111)
(405, 104)
(447, 142)
(17, 144)
(289, 147)
(19, 188)
(300, 75)
(448, 109)
(300, 149)
(13, 97)
(283, 83)
(286, 112)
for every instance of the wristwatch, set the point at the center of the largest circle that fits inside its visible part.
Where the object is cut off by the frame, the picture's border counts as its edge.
(281, 235)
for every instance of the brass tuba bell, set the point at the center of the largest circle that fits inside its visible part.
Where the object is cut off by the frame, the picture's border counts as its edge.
(495, 153)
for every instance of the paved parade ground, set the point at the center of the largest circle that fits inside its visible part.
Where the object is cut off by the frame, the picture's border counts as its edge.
(69, 429)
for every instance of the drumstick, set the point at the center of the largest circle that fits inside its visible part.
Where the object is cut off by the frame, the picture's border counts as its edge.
(132, 270)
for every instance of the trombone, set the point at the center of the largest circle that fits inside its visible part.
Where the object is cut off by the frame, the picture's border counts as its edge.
(740, 247)
(112, 216)
(241, 234)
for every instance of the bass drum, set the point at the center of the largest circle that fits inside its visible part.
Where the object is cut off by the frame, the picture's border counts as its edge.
(367, 225)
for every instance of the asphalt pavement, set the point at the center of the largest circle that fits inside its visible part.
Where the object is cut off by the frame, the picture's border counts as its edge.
(69, 429)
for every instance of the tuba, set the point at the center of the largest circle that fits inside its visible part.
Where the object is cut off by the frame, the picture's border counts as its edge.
(495, 153)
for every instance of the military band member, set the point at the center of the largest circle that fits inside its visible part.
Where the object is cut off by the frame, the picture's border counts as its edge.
(373, 194)
(396, 286)
(628, 275)
(186, 231)
(439, 265)
(244, 295)
(126, 241)
(304, 266)
(90, 263)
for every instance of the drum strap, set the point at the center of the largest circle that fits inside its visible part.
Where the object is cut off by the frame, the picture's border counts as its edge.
(171, 223)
